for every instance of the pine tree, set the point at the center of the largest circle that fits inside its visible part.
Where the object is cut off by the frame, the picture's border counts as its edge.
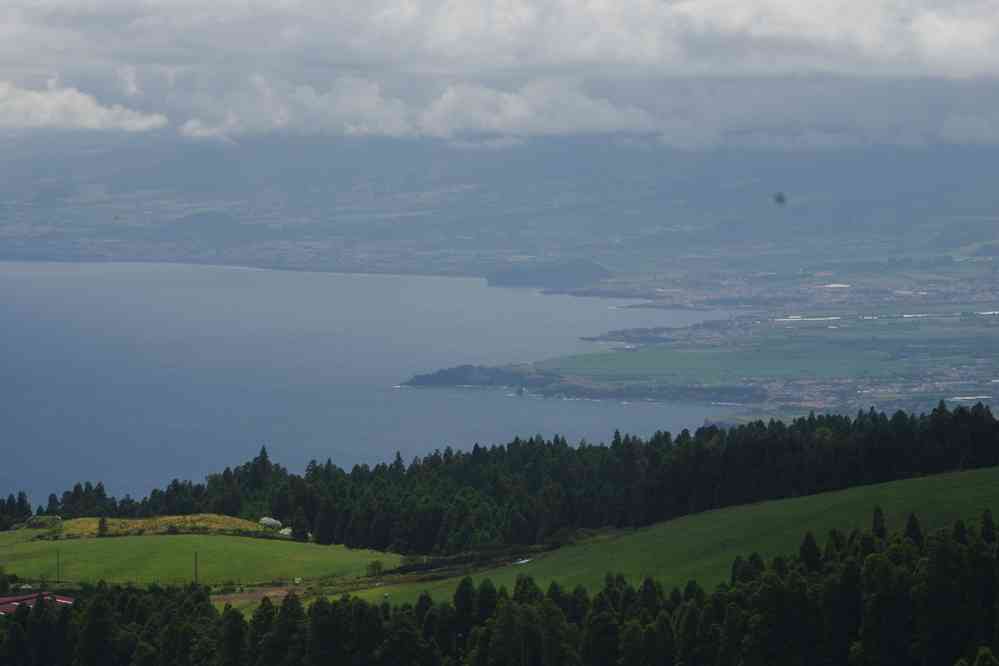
(232, 642)
(325, 523)
(664, 640)
(464, 606)
(633, 645)
(878, 528)
(145, 654)
(404, 644)
(95, 643)
(260, 625)
(809, 553)
(423, 605)
(914, 532)
(14, 648)
(601, 641)
(300, 526)
(686, 634)
(487, 600)
(960, 533)
(988, 528)
(526, 591)
(737, 571)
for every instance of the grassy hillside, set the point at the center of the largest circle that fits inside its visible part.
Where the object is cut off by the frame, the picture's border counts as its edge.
(170, 559)
(703, 546)
(202, 522)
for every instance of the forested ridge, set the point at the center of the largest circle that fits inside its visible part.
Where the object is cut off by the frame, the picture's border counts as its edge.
(534, 491)
(864, 599)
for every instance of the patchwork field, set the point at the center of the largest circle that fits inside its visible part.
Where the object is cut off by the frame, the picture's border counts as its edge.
(703, 546)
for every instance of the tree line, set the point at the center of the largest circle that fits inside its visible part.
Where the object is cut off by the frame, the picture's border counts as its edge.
(14, 510)
(868, 598)
(533, 491)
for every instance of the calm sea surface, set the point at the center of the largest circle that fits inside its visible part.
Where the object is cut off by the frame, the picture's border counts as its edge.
(137, 373)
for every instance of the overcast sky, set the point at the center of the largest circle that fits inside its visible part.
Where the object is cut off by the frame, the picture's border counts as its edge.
(688, 73)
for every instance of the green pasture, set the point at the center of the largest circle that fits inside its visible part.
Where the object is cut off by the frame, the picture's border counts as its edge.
(170, 558)
(722, 366)
(820, 350)
(703, 546)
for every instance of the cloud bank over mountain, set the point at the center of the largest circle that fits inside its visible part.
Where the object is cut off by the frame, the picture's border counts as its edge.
(688, 73)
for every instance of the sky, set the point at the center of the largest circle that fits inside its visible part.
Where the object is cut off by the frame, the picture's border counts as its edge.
(689, 74)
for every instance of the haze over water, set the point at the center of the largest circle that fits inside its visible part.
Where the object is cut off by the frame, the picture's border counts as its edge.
(134, 374)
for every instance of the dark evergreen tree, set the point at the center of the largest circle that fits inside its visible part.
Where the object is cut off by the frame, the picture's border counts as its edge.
(988, 527)
(465, 607)
(404, 645)
(96, 634)
(526, 591)
(325, 533)
(260, 625)
(809, 553)
(233, 638)
(960, 532)
(300, 526)
(487, 599)
(601, 641)
(633, 646)
(878, 527)
(914, 532)
(14, 647)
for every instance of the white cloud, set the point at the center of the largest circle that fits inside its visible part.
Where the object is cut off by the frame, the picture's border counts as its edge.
(540, 107)
(129, 81)
(682, 69)
(68, 108)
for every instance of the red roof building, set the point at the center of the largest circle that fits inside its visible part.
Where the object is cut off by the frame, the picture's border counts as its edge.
(10, 604)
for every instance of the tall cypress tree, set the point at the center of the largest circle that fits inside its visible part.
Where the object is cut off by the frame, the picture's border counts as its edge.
(465, 607)
(260, 626)
(232, 642)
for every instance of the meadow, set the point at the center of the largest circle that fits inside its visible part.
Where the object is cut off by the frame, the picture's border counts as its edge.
(170, 559)
(196, 523)
(702, 546)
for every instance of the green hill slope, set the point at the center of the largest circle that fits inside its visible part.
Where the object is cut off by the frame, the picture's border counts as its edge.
(170, 559)
(703, 546)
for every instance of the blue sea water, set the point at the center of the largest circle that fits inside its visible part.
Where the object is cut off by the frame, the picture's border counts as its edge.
(134, 374)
